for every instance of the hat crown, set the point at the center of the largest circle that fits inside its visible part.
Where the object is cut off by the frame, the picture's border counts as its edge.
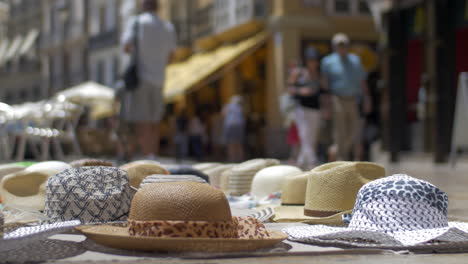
(333, 187)
(165, 202)
(399, 203)
(294, 190)
(88, 194)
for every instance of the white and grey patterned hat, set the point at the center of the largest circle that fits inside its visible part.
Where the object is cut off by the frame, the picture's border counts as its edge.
(396, 212)
(89, 194)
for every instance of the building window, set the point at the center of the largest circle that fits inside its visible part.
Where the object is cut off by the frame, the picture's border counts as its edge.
(342, 6)
(115, 69)
(311, 3)
(348, 7)
(363, 7)
(102, 19)
(36, 92)
(100, 72)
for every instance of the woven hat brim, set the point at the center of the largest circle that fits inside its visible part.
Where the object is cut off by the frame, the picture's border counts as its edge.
(25, 235)
(447, 238)
(118, 237)
(291, 213)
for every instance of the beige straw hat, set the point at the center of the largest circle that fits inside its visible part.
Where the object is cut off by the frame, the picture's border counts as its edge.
(331, 192)
(138, 170)
(27, 188)
(183, 216)
(271, 179)
(215, 173)
(91, 163)
(240, 176)
(10, 168)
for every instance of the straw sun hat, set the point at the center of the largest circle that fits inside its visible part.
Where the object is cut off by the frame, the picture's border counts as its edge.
(138, 170)
(240, 177)
(271, 179)
(171, 178)
(183, 216)
(330, 192)
(6, 169)
(397, 212)
(27, 188)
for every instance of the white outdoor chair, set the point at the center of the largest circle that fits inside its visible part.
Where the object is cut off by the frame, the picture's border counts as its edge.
(6, 139)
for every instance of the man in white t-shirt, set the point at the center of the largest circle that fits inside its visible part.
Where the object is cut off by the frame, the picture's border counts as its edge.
(144, 107)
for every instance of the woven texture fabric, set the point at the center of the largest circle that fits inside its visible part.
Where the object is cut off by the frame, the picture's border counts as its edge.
(395, 211)
(180, 201)
(333, 187)
(240, 177)
(185, 170)
(271, 179)
(184, 216)
(294, 190)
(89, 194)
(171, 178)
(24, 189)
(139, 170)
(91, 163)
(25, 235)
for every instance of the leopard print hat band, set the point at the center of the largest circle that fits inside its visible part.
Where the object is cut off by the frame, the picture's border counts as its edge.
(238, 227)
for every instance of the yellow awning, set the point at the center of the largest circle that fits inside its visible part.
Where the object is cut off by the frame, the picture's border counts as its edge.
(181, 77)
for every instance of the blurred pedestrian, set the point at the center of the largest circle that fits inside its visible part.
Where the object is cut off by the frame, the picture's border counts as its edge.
(196, 135)
(181, 135)
(304, 83)
(144, 107)
(234, 128)
(345, 79)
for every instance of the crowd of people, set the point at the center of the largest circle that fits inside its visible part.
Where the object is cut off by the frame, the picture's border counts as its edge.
(326, 103)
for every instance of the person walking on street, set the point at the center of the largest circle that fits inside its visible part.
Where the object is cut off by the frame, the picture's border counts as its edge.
(305, 85)
(345, 79)
(144, 107)
(234, 128)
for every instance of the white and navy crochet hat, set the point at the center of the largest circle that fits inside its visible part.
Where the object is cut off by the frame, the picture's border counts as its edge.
(396, 212)
(89, 194)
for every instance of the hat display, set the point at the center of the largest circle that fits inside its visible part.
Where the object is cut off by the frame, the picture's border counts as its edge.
(48, 167)
(240, 176)
(138, 170)
(396, 212)
(6, 169)
(184, 216)
(330, 192)
(24, 189)
(91, 163)
(186, 170)
(24, 236)
(206, 165)
(88, 194)
(215, 173)
(171, 178)
(271, 179)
